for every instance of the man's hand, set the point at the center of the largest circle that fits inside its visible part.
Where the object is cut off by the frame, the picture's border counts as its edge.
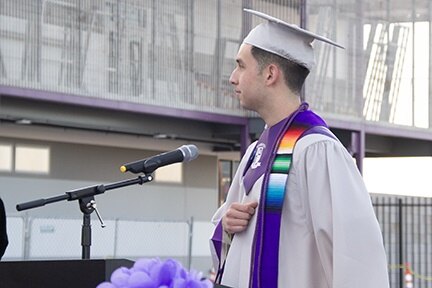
(237, 217)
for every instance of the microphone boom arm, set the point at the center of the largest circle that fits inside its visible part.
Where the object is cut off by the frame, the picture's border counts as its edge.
(84, 192)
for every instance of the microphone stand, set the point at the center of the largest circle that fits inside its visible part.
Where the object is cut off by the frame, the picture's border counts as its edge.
(87, 204)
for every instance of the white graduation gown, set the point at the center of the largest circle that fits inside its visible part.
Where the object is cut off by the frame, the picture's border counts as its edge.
(329, 233)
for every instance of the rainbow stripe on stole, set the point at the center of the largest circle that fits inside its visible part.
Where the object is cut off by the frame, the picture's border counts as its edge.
(280, 168)
(265, 251)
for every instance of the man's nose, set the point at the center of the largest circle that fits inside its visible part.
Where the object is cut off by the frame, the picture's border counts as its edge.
(232, 78)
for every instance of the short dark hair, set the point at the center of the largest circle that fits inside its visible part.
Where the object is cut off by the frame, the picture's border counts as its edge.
(294, 74)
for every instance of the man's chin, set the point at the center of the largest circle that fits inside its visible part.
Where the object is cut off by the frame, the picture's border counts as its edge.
(244, 106)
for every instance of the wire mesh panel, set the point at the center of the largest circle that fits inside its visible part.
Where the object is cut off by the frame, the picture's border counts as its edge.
(383, 74)
(180, 53)
(406, 226)
(55, 238)
(61, 238)
(202, 232)
(142, 239)
(15, 232)
(168, 53)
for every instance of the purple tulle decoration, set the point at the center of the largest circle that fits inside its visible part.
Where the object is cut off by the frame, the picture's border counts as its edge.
(120, 277)
(155, 273)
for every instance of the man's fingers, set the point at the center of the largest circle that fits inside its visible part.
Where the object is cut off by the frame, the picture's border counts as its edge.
(245, 208)
(236, 222)
(251, 207)
(234, 225)
(252, 204)
(236, 229)
(237, 216)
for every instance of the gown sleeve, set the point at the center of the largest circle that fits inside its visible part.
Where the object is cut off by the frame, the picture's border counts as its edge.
(339, 211)
(221, 240)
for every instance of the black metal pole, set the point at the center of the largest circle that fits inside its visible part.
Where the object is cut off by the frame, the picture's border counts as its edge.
(86, 208)
(86, 236)
(401, 266)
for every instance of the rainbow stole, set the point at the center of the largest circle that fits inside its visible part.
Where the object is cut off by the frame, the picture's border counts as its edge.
(265, 250)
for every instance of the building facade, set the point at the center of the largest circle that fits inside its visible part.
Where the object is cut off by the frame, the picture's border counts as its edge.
(86, 86)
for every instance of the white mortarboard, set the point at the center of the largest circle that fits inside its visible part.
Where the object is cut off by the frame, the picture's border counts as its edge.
(286, 40)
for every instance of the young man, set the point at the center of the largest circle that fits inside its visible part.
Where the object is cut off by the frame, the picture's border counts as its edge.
(313, 227)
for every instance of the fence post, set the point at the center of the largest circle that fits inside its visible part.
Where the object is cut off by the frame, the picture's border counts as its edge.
(401, 262)
(189, 258)
(27, 236)
(116, 235)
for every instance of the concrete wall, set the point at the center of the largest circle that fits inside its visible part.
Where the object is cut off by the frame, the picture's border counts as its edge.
(78, 165)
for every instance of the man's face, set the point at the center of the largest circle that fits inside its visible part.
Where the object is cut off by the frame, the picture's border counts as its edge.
(247, 79)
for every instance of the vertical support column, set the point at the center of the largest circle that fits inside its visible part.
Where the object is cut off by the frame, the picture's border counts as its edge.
(358, 147)
(30, 66)
(152, 52)
(303, 14)
(189, 51)
(358, 59)
(217, 60)
(303, 24)
(76, 76)
(85, 49)
(2, 67)
(334, 54)
(413, 16)
(245, 139)
(246, 19)
(115, 28)
(430, 63)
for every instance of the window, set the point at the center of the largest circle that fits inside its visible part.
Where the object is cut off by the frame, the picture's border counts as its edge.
(32, 159)
(227, 170)
(171, 173)
(5, 157)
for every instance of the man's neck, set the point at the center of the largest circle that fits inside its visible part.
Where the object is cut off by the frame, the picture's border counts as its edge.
(279, 110)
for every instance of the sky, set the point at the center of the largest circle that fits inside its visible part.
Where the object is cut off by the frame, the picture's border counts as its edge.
(399, 176)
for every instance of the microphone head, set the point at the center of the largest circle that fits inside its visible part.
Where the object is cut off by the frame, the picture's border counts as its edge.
(190, 152)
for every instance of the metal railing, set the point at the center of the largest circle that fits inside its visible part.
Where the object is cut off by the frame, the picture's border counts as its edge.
(50, 238)
(406, 224)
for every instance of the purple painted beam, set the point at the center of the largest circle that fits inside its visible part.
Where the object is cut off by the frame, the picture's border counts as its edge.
(120, 105)
(355, 125)
(379, 128)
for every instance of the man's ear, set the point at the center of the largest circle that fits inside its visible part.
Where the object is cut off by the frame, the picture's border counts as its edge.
(273, 73)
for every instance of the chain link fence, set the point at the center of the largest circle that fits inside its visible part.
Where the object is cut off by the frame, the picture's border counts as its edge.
(406, 226)
(52, 238)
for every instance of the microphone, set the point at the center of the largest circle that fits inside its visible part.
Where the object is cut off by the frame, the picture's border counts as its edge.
(184, 153)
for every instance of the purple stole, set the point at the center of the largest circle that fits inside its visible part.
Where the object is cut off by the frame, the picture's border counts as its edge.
(280, 141)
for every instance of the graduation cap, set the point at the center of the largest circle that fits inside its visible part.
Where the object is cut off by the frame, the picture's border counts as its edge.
(286, 40)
